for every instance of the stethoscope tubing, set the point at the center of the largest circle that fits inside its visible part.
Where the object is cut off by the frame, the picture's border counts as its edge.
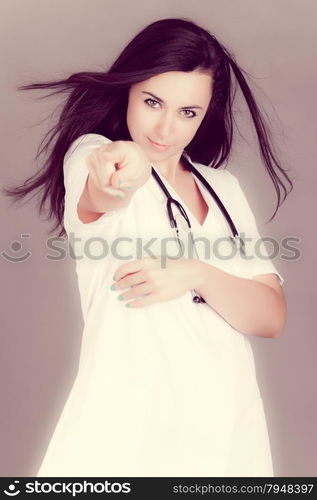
(170, 201)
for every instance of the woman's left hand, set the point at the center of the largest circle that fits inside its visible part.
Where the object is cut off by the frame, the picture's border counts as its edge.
(148, 277)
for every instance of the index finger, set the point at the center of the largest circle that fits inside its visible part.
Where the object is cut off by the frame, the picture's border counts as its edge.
(129, 267)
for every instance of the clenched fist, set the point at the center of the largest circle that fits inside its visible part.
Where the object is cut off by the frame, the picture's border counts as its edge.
(118, 165)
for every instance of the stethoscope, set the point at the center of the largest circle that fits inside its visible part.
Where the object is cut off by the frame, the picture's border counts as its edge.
(235, 238)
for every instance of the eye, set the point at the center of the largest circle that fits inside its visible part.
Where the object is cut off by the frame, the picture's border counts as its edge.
(188, 110)
(190, 116)
(152, 100)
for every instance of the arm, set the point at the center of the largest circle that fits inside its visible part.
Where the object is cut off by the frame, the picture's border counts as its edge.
(96, 197)
(94, 202)
(253, 306)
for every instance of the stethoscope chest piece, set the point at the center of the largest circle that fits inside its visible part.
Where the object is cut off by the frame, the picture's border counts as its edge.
(238, 243)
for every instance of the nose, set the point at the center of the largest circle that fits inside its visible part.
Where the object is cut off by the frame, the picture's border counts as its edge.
(164, 128)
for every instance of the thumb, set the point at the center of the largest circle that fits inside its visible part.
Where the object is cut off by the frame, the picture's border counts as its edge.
(120, 176)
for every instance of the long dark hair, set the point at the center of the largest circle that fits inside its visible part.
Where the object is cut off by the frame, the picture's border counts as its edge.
(98, 103)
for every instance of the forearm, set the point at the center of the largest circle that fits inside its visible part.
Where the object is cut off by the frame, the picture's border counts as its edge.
(249, 306)
(94, 199)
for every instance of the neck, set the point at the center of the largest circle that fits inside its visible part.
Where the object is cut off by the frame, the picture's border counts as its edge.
(172, 169)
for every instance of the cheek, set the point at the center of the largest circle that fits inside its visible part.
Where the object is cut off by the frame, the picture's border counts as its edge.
(137, 118)
(190, 132)
(130, 115)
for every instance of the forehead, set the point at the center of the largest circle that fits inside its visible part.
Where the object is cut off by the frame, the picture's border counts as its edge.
(178, 85)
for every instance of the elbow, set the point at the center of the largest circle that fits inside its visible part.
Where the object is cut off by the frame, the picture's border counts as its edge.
(280, 321)
(270, 331)
(275, 326)
(277, 332)
(278, 316)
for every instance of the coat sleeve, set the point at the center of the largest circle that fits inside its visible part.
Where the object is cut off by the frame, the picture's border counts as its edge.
(75, 172)
(258, 259)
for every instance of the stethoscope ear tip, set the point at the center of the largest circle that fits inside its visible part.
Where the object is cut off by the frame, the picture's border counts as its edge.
(198, 300)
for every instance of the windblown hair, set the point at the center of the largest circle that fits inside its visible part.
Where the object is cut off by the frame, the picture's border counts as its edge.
(97, 103)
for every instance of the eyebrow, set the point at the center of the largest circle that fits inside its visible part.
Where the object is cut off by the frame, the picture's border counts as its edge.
(161, 100)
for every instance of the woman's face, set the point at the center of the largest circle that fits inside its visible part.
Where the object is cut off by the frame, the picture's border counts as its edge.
(168, 109)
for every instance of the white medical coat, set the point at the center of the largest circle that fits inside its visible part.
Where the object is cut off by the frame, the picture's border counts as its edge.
(168, 389)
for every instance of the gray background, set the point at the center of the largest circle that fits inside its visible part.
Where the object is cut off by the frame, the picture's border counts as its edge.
(274, 40)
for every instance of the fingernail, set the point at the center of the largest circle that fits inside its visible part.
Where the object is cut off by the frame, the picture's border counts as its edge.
(120, 297)
(120, 196)
(113, 287)
(127, 304)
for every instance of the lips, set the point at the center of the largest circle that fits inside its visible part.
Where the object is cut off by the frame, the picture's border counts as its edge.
(158, 145)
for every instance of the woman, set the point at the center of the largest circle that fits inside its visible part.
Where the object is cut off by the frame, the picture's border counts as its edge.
(166, 386)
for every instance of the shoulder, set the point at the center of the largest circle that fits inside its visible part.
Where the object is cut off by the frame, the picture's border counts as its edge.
(220, 176)
(85, 142)
(227, 186)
